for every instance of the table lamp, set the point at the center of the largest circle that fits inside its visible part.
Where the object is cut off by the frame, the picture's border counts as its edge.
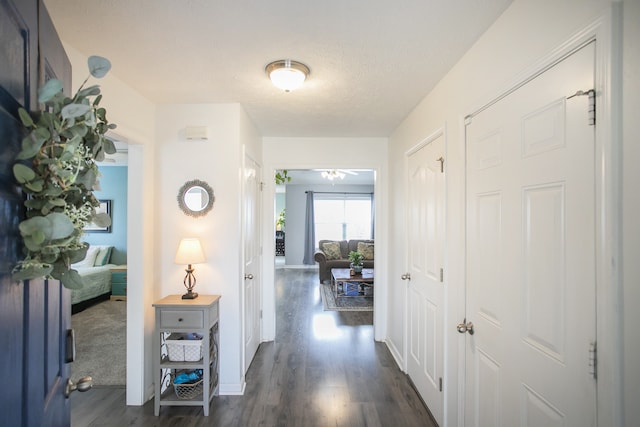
(190, 252)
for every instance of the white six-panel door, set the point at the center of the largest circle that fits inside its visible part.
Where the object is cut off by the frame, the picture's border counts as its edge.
(530, 290)
(251, 245)
(426, 233)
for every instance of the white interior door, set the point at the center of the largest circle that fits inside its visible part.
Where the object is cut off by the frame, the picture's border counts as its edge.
(531, 254)
(251, 279)
(426, 223)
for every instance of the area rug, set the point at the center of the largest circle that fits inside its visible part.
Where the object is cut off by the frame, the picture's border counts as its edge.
(100, 332)
(331, 303)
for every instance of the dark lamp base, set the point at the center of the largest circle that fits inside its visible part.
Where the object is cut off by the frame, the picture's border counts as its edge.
(190, 295)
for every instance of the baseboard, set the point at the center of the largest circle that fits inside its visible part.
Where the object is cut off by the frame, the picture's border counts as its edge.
(397, 356)
(301, 267)
(232, 389)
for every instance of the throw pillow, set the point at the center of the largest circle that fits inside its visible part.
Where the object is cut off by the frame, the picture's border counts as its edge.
(332, 250)
(366, 249)
(104, 255)
(89, 259)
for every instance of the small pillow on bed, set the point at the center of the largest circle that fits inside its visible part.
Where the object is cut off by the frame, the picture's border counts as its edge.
(89, 259)
(103, 256)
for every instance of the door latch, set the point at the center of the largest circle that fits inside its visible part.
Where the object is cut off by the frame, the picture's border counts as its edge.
(465, 327)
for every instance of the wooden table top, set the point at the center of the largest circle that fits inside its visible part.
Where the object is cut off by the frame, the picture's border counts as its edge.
(342, 274)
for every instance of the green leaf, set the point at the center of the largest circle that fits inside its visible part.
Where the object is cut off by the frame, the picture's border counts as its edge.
(77, 255)
(35, 186)
(101, 220)
(23, 173)
(57, 202)
(32, 225)
(49, 90)
(74, 110)
(27, 121)
(108, 146)
(32, 272)
(98, 66)
(32, 143)
(61, 225)
(71, 279)
(87, 179)
(90, 91)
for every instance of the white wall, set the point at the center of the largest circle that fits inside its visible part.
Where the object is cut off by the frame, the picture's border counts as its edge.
(216, 161)
(523, 35)
(318, 153)
(135, 117)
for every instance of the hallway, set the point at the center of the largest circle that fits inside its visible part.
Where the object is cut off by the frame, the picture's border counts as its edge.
(324, 369)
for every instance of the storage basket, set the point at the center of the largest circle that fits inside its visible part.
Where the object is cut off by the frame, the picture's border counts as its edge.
(351, 289)
(184, 347)
(188, 391)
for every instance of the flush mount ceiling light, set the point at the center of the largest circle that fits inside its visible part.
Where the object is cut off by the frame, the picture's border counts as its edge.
(286, 74)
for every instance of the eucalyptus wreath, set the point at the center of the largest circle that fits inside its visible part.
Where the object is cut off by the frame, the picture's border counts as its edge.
(57, 171)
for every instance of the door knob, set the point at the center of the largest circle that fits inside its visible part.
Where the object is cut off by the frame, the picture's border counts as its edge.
(406, 276)
(248, 276)
(84, 384)
(465, 327)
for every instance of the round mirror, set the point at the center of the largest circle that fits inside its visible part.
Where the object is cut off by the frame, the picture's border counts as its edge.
(195, 198)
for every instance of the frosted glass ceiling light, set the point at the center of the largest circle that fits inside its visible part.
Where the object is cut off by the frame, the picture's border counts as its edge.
(286, 74)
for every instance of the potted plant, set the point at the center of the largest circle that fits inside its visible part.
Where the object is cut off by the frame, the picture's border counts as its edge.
(356, 261)
(57, 171)
(281, 220)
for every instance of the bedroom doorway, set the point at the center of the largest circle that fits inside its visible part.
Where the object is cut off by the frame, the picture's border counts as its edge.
(99, 309)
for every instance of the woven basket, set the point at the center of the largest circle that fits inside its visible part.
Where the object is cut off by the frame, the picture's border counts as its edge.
(188, 391)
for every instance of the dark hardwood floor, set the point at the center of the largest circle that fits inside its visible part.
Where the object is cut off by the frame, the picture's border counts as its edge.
(323, 369)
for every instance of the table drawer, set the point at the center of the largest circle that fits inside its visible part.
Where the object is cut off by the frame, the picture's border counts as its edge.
(181, 319)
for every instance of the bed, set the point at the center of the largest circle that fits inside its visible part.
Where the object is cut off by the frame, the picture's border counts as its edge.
(95, 270)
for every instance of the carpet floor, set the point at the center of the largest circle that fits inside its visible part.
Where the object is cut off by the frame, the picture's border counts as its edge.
(331, 303)
(101, 343)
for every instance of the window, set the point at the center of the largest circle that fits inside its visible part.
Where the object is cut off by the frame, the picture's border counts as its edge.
(343, 216)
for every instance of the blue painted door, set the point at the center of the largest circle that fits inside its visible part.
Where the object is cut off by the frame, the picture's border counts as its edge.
(34, 315)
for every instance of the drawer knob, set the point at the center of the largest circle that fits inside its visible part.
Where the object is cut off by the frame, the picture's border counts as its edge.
(180, 319)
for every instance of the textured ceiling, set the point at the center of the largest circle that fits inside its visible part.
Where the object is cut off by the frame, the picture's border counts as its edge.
(371, 61)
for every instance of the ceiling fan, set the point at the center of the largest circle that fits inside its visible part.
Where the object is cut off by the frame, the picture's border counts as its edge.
(332, 174)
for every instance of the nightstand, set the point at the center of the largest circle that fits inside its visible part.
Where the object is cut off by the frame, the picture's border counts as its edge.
(177, 316)
(119, 283)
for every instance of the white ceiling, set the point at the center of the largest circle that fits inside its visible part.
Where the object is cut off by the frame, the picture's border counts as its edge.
(371, 61)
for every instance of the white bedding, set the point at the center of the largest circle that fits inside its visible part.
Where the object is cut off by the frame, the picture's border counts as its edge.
(97, 281)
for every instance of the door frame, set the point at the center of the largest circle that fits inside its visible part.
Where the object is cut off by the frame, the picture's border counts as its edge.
(606, 31)
(268, 238)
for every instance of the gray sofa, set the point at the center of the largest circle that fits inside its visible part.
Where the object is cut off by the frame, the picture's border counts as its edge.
(325, 265)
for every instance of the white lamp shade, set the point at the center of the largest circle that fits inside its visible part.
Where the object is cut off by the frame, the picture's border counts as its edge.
(190, 252)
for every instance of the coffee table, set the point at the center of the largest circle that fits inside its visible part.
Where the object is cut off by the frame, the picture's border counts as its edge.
(340, 276)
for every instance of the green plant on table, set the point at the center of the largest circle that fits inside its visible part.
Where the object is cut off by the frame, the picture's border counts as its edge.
(356, 258)
(57, 171)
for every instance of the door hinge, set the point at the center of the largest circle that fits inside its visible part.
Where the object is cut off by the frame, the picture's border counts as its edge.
(261, 314)
(441, 275)
(591, 93)
(441, 160)
(593, 360)
(261, 186)
(440, 383)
